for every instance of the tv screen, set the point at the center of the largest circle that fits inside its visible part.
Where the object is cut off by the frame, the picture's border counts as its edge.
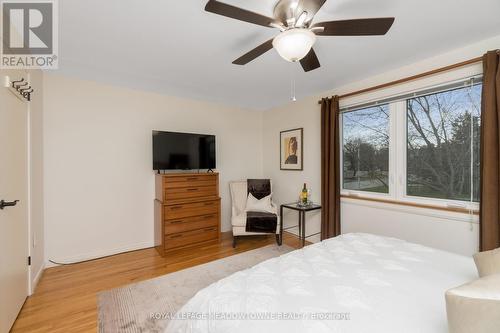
(183, 151)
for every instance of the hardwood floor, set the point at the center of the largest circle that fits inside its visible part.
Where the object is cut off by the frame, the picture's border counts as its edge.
(65, 298)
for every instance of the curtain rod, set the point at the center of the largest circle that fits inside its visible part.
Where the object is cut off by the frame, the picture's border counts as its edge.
(413, 77)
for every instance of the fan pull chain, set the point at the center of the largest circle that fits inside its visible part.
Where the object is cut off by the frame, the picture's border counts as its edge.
(293, 98)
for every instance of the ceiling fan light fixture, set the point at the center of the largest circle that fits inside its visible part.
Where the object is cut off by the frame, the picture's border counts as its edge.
(294, 44)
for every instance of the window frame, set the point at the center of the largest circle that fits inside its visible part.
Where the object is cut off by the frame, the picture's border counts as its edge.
(398, 136)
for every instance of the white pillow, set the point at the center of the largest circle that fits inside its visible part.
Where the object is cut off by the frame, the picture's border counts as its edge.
(256, 205)
(488, 262)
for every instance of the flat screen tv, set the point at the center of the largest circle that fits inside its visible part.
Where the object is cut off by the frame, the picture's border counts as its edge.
(183, 151)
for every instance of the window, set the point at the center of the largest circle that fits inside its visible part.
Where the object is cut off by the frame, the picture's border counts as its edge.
(443, 145)
(416, 147)
(366, 149)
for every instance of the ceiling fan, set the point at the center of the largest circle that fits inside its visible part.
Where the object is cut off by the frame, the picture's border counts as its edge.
(297, 32)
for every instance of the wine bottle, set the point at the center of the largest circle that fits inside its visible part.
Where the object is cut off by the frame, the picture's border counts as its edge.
(304, 195)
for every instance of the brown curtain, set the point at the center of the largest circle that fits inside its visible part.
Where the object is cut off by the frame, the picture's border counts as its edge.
(490, 154)
(330, 168)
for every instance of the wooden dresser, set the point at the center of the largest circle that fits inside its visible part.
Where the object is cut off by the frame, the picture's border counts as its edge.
(187, 210)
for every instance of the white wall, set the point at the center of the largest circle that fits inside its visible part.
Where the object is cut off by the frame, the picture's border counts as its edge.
(453, 232)
(99, 183)
(288, 184)
(444, 230)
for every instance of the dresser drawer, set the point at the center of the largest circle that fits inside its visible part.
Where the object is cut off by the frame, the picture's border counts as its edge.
(199, 181)
(189, 178)
(190, 237)
(191, 223)
(190, 192)
(191, 209)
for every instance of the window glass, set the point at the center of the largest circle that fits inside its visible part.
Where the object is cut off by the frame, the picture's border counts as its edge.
(443, 132)
(366, 149)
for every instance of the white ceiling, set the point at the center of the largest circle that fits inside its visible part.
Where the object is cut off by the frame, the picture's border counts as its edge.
(176, 48)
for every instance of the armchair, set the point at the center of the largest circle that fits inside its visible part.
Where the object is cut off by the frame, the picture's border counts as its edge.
(239, 194)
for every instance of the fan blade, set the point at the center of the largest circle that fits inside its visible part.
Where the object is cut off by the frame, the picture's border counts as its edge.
(256, 52)
(359, 27)
(310, 61)
(237, 13)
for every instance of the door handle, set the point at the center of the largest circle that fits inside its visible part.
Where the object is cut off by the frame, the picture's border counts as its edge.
(4, 203)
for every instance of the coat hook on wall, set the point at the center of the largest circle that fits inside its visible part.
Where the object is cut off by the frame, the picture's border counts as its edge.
(21, 88)
(19, 85)
(14, 83)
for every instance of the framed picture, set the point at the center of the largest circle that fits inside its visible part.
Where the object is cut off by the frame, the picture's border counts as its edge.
(291, 149)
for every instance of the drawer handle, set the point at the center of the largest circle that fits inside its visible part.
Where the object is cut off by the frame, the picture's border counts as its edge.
(176, 236)
(176, 207)
(209, 216)
(192, 189)
(208, 204)
(192, 178)
(177, 222)
(209, 229)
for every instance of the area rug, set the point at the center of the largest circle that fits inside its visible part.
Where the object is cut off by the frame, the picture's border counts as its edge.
(146, 306)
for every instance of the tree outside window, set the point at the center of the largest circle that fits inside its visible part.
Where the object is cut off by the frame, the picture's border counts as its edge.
(366, 149)
(443, 136)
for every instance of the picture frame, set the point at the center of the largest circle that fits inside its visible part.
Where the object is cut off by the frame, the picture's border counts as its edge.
(292, 149)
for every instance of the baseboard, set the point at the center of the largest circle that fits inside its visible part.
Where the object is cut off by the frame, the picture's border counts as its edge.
(98, 254)
(226, 235)
(229, 235)
(295, 233)
(291, 233)
(310, 240)
(35, 281)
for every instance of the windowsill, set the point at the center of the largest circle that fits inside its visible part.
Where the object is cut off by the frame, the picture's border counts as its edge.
(412, 204)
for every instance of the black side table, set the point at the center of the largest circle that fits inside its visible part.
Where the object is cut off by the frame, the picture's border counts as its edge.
(302, 220)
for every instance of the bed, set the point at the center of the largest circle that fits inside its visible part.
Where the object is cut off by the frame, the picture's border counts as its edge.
(352, 283)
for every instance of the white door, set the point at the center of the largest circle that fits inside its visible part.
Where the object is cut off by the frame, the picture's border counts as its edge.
(13, 220)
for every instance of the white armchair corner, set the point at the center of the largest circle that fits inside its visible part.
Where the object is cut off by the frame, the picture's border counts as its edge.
(238, 191)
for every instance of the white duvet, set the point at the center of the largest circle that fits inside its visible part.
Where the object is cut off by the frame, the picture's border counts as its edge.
(353, 283)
